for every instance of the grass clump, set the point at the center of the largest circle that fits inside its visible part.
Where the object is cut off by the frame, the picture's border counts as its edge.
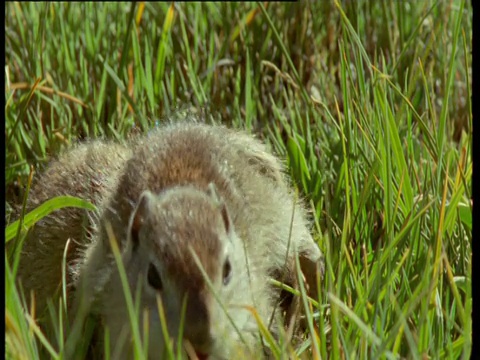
(368, 102)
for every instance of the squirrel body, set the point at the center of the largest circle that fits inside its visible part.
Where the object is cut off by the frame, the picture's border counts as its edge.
(202, 216)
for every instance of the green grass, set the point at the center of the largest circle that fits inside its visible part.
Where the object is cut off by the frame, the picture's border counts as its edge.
(368, 102)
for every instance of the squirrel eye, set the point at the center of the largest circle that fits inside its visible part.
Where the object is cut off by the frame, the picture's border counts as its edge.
(227, 272)
(154, 278)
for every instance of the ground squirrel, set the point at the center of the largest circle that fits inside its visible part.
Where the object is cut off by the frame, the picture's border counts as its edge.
(202, 214)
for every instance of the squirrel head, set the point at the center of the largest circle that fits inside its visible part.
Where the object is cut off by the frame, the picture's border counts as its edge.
(183, 253)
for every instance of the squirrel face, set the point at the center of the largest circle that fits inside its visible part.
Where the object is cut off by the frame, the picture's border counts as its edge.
(183, 253)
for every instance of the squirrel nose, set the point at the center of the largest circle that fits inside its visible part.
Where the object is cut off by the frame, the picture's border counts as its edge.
(196, 353)
(201, 356)
(198, 323)
(200, 337)
(201, 342)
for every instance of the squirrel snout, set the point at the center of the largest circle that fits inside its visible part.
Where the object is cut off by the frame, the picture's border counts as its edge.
(198, 320)
(200, 338)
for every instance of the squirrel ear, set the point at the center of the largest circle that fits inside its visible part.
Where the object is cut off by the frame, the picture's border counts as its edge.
(225, 217)
(139, 216)
(213, 193)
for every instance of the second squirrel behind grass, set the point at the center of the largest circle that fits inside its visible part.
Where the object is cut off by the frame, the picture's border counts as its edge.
(200, 214)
